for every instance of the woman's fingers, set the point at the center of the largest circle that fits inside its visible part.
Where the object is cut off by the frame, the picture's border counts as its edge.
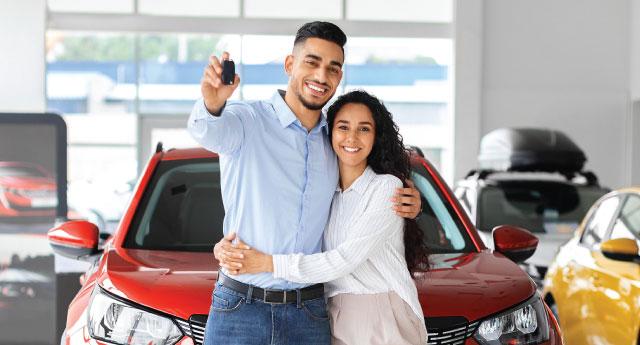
(233, 272)
(232, 253)
(231, 265)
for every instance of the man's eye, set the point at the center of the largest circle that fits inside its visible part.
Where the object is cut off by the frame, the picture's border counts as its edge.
(334, 70)
(311, 63)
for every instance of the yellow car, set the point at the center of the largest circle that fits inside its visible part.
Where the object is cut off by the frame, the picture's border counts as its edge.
(593, 285)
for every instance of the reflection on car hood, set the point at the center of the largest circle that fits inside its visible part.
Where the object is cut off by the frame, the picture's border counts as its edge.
(472, 285)
(177, 283)
(180, 283)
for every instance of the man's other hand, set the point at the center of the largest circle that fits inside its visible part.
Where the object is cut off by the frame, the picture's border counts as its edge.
(407, 202)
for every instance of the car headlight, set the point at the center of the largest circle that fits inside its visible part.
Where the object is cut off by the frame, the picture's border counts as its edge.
(114, 321)
(526, 323)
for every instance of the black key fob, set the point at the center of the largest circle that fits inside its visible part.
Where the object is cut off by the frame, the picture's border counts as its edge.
(228, 72)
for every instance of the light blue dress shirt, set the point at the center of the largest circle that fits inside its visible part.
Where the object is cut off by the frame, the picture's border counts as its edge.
(278, 179)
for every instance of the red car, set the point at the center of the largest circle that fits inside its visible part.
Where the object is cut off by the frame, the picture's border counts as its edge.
(151, 283)
(26, 190)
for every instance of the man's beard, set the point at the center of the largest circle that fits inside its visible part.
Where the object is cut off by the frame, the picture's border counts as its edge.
(308, 105)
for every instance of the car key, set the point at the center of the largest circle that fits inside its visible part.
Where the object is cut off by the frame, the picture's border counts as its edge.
(228, 72)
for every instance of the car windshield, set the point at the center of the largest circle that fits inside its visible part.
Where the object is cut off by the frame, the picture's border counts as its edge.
(14, 171)
(541, 207)
(182, 210)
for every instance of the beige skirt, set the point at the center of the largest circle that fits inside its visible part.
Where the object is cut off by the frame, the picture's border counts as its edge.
(374, 319)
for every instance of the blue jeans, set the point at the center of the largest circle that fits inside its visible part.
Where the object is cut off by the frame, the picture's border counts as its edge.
(236, 320)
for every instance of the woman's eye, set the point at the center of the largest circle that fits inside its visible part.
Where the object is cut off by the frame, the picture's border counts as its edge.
(365, 129)
(344, 128)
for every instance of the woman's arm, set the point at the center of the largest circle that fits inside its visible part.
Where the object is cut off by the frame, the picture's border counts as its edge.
(368, 234)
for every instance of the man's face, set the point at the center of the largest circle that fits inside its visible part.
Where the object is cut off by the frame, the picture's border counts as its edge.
(315, 70)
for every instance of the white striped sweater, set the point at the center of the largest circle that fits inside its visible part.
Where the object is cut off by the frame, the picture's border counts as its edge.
(363, 243)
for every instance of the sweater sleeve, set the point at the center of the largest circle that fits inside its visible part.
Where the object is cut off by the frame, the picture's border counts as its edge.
(368, 234)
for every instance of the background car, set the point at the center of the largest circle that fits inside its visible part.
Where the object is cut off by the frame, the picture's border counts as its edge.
(593, 285)
(531, 178)
(26, 190)
(100, 201)
(151, 283)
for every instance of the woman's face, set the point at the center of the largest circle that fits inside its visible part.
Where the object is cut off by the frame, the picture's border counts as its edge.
(353, 134)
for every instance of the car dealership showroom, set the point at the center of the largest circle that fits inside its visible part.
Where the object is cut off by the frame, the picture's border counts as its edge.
(455, 172)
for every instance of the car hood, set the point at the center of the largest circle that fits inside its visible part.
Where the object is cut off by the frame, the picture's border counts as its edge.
(471, 285)
(177, 283)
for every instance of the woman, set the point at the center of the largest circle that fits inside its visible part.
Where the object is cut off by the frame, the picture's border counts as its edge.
(369, 250)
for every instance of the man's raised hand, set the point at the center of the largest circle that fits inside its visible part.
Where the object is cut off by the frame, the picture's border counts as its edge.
(214, 92)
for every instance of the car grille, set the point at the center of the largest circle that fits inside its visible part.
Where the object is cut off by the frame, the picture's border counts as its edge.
(194, 328)
(442, 330)
(450, 330)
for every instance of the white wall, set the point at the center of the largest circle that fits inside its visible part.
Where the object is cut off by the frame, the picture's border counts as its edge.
(467, 78)
(22, 55)
(634, 47)
(634, 73)
(563, 65)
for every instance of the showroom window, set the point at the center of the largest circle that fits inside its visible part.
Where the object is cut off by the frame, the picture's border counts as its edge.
(87, 74)
(127, 86)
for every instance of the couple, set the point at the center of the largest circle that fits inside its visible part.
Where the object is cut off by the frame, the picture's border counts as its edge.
(288, 198)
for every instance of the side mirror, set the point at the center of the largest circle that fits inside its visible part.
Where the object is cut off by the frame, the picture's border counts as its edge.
(75, 239)
(621, 249)
(516, 243)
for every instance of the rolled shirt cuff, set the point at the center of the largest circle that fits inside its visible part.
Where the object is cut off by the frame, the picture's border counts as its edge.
(280, 266)
(201, 111)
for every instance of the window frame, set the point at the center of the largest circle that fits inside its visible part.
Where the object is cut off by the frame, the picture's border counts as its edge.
(592, 214)
(625, 197)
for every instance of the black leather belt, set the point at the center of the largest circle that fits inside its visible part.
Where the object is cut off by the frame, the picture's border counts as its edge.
(272, 296)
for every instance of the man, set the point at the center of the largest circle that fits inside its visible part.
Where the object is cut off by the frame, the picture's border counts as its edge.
(279, 174)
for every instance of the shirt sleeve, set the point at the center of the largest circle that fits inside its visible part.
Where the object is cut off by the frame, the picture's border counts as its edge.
(221, 134)
(367, 235)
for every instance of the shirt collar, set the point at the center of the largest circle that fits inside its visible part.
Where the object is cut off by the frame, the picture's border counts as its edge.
(287, 117)
(362, 182)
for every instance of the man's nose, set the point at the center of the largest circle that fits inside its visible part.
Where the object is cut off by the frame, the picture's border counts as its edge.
(321, 75)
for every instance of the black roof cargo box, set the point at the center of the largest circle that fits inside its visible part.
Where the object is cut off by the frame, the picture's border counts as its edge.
(530, 149)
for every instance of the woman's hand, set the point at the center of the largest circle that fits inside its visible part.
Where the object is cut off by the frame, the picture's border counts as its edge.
(240, 260)
(223, 251)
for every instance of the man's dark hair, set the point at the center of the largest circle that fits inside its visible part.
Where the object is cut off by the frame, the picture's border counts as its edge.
(323, 30)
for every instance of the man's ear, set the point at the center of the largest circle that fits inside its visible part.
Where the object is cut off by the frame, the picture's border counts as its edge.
(288, 64)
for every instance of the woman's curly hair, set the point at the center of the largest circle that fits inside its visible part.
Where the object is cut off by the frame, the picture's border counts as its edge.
(388, 156)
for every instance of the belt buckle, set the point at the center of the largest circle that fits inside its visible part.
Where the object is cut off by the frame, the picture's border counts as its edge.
(284, 296)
